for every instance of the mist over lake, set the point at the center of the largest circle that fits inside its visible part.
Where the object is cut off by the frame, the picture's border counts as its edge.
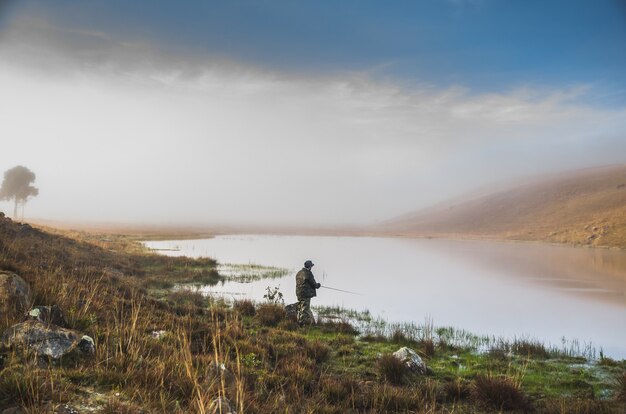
(526, 290)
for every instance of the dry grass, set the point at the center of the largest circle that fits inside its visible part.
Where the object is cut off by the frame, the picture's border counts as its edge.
(528, 348)
(499, 392)
(90, 285)
(578, 406)
(392, 369)
(620, 382)
(271, 366)
(582, 207)
(244, 307)
(269, 314)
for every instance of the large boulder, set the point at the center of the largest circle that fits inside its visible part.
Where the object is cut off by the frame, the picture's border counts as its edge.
(48, 314)
(411, 359)
(14, 294)
(46, 340)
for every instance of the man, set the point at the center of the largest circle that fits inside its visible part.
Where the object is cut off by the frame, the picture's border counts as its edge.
(305, 290)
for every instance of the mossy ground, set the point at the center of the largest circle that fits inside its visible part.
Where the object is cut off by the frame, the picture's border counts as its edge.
(116, 292)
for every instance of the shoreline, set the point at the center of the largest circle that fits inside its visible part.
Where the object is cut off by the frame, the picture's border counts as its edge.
(151, 231)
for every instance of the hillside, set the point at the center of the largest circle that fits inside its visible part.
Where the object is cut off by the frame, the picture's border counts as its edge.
(585, 207)
(163, 350)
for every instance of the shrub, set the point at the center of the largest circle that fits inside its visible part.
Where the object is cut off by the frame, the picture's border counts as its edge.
(288, 324)
(398, 337)
(335, 390)
(428, 347)
(270, 314)
(299, 371)
(338, 327)
(392, 369)
(274, 296)
(385, 399)
(317, 350)
(457, 389)
(501, 393)
(245, 307)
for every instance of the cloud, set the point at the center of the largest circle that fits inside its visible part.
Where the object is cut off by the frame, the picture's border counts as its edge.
(120, 129)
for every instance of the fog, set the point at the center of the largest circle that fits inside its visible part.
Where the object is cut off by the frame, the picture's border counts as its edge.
(126, 129)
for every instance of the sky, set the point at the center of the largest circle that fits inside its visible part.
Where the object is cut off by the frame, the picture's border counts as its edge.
(301, 112)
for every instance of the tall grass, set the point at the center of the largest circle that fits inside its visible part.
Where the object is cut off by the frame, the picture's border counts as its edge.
(429, 336)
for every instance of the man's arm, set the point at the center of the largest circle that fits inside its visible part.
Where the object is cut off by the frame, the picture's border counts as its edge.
(311, 281)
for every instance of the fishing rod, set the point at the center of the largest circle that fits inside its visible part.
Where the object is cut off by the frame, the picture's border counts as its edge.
(340, 290)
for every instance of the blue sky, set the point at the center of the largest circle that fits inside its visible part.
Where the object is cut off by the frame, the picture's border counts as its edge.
(485, 45)
(236, 107)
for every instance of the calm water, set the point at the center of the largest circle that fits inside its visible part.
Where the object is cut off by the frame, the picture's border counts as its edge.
(506, 289)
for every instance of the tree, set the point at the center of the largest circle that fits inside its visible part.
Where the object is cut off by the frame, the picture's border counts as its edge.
(17, 186)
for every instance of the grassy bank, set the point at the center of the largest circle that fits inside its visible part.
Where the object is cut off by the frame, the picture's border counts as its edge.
(118, 293)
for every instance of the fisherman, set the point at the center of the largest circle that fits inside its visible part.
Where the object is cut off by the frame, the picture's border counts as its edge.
(305, 290)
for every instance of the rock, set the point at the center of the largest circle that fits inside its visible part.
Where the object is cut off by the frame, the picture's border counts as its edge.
(14, 294)
(46, 340)
(66, 409)
(12, 410)
(411, 359)
(158, 334)
(221, 405)
(48, 314)
(86, 345)
(291, 311)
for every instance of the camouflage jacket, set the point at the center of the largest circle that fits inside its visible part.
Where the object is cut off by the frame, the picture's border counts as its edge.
(305, 284)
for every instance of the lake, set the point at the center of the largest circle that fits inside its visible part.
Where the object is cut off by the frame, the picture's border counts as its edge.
(534, 291)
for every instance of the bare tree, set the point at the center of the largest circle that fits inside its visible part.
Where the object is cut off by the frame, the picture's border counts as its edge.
(17, 186)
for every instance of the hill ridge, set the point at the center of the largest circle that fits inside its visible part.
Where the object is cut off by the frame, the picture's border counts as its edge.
(585, 207)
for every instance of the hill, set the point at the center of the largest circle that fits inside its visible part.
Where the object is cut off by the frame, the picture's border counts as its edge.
(584, 207)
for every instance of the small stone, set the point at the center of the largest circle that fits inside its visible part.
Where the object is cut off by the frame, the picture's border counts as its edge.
(87, 345)
(158, 334)
(48, 314)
